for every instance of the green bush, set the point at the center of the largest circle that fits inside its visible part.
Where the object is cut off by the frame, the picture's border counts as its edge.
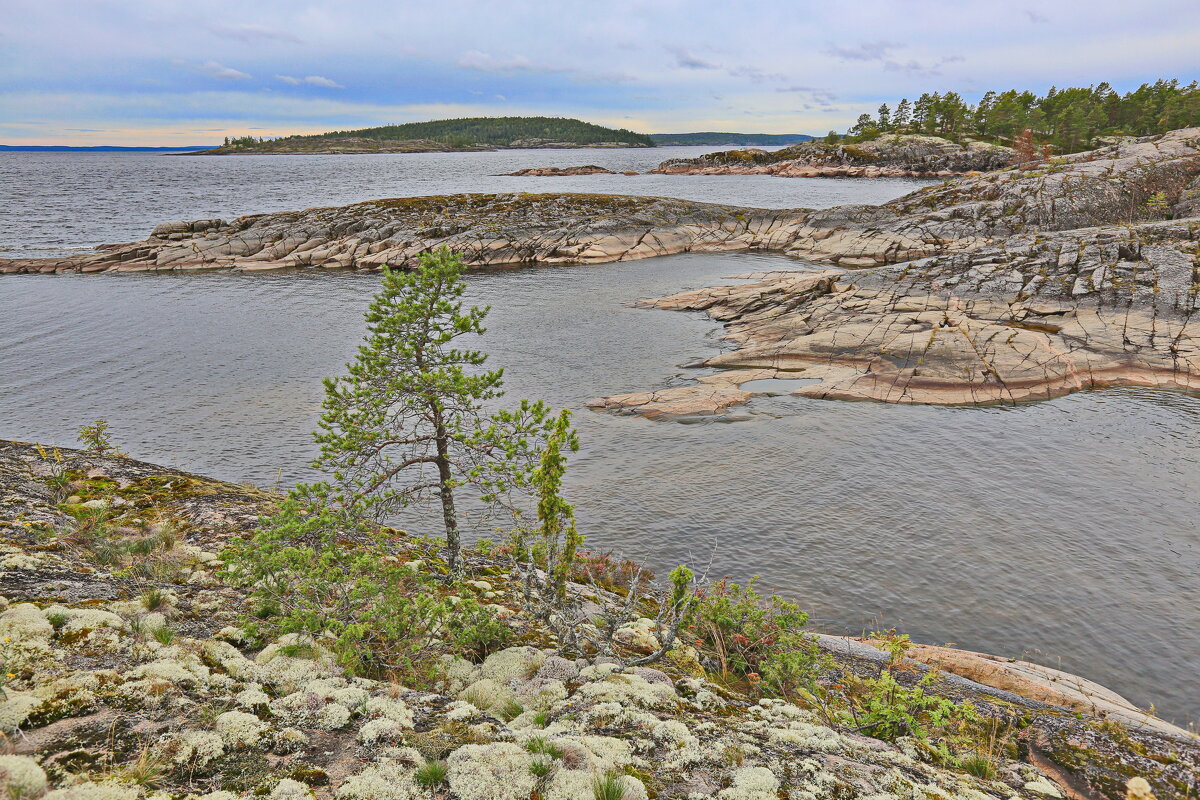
(883, 708)
(320, 572)
(760, 640)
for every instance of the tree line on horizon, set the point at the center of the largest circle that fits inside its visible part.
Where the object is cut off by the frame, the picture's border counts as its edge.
(498, 131)
(1069, 120)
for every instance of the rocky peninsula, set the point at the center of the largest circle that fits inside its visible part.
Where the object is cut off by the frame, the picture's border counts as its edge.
(132, 680)
(1018, 284)
(890, 156)
(557, 172)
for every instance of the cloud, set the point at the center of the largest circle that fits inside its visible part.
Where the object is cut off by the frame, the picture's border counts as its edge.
(866, 51)
(253, 33)
(686, 60)
(215, 70)
(916, 68)
(313, 80)
(486, 62)
(822, 97)
(756, 75)
(884, 52)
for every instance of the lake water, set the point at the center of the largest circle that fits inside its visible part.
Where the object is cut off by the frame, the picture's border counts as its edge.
(1064, 531)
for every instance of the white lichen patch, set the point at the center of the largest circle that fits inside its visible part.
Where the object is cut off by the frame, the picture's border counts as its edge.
(752, 783)
(21, 777)
(498, 771)
(630, 689)
(390, 708)
(239, 729)
(514, 663)
(387, 779)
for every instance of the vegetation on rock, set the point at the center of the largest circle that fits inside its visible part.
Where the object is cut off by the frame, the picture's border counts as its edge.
(451, 134)
(1070, 120)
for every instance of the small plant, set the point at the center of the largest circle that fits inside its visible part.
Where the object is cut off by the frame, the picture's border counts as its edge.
(609, 786)
(541, 767)
(153, 599)
(896, 645)
(540, 745)
(431, 775)
(510, 710)
(163, 635)
(883, 708)
(759, 640)
(56, 619)
(146, 770)
(385, 619)
(1158, 204)
(541, 718)
(979, 765)
(95, 439)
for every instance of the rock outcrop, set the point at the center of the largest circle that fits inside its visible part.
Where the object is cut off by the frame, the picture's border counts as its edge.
(890, 156)
(98, 701)
(559, 172)
(485, 229)
(1010, 286)
(1019, 284)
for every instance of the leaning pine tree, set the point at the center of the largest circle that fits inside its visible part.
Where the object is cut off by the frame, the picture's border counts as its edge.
(404, 424)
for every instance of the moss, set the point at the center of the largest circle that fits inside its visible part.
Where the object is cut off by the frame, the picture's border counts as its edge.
(309, 775)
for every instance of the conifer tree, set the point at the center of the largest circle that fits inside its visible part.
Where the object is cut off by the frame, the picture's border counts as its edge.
(404, 424)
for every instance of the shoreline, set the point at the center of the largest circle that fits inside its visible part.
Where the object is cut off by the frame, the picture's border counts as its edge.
(1004, 287)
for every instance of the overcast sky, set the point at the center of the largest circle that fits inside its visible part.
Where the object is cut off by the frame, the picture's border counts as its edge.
(159, 72)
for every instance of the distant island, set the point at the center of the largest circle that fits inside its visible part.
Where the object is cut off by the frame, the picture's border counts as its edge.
(447, 135)
(104, 148)
(741, 139)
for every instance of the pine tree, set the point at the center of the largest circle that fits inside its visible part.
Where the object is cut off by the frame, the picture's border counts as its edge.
(404, 424)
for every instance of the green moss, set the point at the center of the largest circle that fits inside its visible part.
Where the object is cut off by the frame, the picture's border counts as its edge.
(311, 776)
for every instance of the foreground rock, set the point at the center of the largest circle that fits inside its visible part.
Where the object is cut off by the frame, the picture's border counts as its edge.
(1011, 286)
(99, 703)
(890, 156)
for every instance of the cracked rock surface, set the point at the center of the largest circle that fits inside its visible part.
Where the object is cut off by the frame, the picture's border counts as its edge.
(891, 156)
(485, 229)
(1011, 286)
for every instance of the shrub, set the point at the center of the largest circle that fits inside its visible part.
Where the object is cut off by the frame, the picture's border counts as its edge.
(95, 438)
(883, 708)
(762, 641)
(314, 570)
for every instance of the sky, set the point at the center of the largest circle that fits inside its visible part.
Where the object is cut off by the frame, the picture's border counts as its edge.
(153, 72)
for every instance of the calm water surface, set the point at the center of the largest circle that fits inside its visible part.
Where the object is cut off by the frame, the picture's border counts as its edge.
(1063, 531)
(55, 202)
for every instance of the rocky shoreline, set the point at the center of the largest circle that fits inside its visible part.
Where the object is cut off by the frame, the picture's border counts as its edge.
(1000, 288)
(99, 705)
(559, 172)
(361, 145)
(890, 156)
(1019, 284)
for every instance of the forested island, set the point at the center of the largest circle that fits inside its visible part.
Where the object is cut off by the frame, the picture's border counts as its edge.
(446, 135)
